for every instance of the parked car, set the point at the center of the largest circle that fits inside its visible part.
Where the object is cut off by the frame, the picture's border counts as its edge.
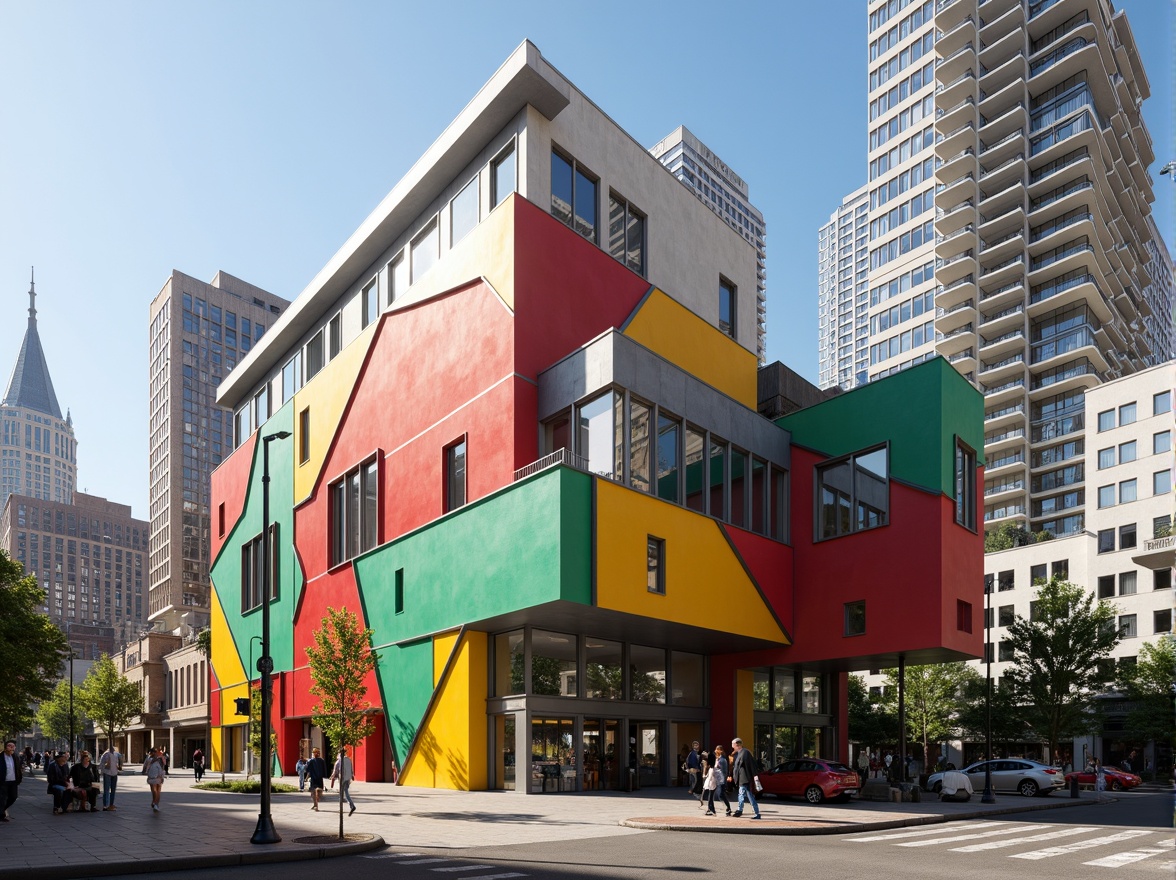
(813, 779)
(1028, 778)
(1117, 780)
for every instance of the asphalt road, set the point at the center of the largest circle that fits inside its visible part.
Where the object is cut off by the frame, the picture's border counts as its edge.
(1135, 833)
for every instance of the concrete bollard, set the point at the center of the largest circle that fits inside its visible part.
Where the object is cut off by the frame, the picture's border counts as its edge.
(1074, 786)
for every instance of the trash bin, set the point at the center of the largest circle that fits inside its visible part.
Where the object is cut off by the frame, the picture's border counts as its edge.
(630, 779)
(1074, 786)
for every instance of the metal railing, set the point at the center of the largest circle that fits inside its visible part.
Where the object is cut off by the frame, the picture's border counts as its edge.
(560, 456)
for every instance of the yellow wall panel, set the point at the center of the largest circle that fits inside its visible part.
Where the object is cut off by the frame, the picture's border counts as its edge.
(667, 327)
(450, 748)
(701, 567)
(226, 660)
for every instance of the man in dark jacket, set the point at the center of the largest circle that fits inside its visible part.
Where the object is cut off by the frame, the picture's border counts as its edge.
(84, 776)
(743, 772)
(57, 777)
(10, 777)
(316, 772)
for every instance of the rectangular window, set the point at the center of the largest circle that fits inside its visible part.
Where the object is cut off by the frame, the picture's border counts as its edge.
(304, 436)
(455, 475)
(1106, 586)
(292, 376)
(355, 510)
(1006, 581)
(425, 250)
(1037, 574)
(464, 211)
(669, 433)
(261, 407)
(1106, 458)
(398, 592)
(1004, 615)
(727, 303)
(853, 494)
(718, 478)
(1162, 621)
(1161, 482)
(1162, 526)
(1106, 420)
(965, 486)
(1127, 452)
(599, 439)
(502, 176)
(695, 469)
(1127, 536)
(253, 573)
(220, 520)
(573, 195)
(639, 416)
(655, 565)
(1161, 442)
(1128, 581)
(314, 355)
(1061, 568)
(1127, 491)
(336, 335)
(1161, 403)
(1106, 496)
(1127, 414)
(1106, 540)
(371, 301)
(963, 616)
(1127, 626)
(626, 233)
(855, 618)
(1162, 579)
(1005, 652)
(398, 278)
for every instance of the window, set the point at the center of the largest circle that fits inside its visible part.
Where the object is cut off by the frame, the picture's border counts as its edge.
(855, 618)
(1127, 536)
(1126, 452)
(852, 494)
(398, 592)
(1162, 621)
(989, 583)
(1005, 652)
(253, 573)
(1106, 420)
(1005, 615)
(1106, 540)
(669, 433)
(1161, 482)
(398, 278)
(291, 376)
(1161, 442)
(1106, 458)
(1127, 626)
(1162, 579)
(502, 176)
(1061, 568)
(314, 355)
(464, 212)
(1162, 526)
(553, 664)
(1106, 586)
(336, 335)
(1127, 414)
(304, 436)
(1006, 581)
(573, 195)
(655, 565)
(1127, 491)
(1127, 583)
(371, 301)
(220, 520)
(1161, 403)
(1037, 574)
(626, 233)
(727, 303)
(965, 486)
(1106, 496)
(425, 250)
(598, 440)
(261, 407)
(455, 475)
(355, 512)
(963, 616)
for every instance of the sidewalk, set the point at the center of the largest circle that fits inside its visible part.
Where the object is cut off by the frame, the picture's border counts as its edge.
(199, 829)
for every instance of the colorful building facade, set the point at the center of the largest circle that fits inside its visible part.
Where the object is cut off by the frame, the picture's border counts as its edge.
(525, 449)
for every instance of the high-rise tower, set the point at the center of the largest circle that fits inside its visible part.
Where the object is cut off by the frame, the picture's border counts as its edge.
(38, 452)
(843, 325)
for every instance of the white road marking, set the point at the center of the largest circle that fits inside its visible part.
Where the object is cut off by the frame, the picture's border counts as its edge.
(1014, 841)
(495, 876)
(895, 835)
(1136, 855)
(390, 856)
(464, 868)
(953, 838)
(1080, 845)
(424, 861)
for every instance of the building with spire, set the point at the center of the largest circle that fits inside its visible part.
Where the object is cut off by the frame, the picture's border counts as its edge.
(38, 450)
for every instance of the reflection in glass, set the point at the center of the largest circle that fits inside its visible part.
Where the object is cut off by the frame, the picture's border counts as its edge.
(425, 251)
(561, 188)
(779, 505)
(635, 242)
(558, 434)
(759, 471)
(508, 664)
(551, 751)
(784, 691)
(739, 488)
(504, 176)
(785, 740)
(585, 205)
(599, 441)
(812, 741)
(553, 664)
(668, 431)
(812, 694)
(760, 690)
(835, 499)
(639, 415)
(647, 674)
(463, 212)
(695, 469)
(504, 742)
(717, 478)
(603, 672)
(870, 486)
(688, 678)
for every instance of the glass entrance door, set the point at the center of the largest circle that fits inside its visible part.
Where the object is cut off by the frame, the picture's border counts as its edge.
(553, 755)
(504, 752)
(646, 748)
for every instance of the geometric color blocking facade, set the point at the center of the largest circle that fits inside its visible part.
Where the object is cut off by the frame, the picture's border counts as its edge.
(525, 451)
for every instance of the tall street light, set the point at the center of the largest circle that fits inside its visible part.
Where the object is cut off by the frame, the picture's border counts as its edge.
(988, 797)
(265, 831)
(71, 706)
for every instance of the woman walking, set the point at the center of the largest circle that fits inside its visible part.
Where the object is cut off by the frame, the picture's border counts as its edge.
(723, 766)
(155, 770)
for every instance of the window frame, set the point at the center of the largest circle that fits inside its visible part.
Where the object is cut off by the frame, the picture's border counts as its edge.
(628, 213)
(965, 508)
(850, 612)
(655, 577)
(370, 302)
(415, 246)
(476, 183)
(449, 469)
(726, 286)
(506, 153)
(594, 179)
(347, 540)
(819, 485)
(250, 590)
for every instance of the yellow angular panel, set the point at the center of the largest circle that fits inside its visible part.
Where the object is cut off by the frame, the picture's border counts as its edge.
(700, 566)
(667, 327)
(744, 704)
(450, 747)
(326, 395)
(226, 661)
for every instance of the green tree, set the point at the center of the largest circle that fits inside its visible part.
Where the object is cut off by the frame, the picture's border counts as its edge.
(53, 713)
(108, 698)
(1006, 536)
(204, 642)
(255, 729)
(31, 647)
(340, 660)
(870, 722)
(934, 697)
(1150, 683)
(1057, 653)
(1008, 723)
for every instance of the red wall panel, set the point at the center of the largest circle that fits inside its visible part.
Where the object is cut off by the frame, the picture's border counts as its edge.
(230, 485)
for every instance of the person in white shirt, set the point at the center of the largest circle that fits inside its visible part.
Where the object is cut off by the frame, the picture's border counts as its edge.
(344, 771)
(10, 777)
(109, 765)
(956, 787)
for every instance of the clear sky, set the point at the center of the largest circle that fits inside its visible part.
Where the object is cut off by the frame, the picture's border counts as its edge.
(254, 137)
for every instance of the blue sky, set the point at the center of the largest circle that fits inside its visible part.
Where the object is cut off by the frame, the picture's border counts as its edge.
(255, 136)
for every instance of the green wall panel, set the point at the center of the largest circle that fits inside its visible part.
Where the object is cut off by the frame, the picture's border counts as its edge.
(405, 674)
(920, 410)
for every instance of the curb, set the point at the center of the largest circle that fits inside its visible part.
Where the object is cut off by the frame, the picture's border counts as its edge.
(258, 856)
(844, 828)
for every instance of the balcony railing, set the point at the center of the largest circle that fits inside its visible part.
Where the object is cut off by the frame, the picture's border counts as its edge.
(1004, 313)
(1053, 289)
(1019, 258)
(1007, 386)
(1049, 229)
(1078, 186)
(560, 456)
(1016, 458)
(1057, 55)
(1011, 434)
(969, 73)
(1017, 158)
(1007, 411)
(1059, 254)
(989, 294)
(987, 246)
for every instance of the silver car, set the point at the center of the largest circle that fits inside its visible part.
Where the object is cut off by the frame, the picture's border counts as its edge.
(1028, 778)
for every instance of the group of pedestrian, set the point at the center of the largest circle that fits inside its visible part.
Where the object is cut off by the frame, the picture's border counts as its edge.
(312, 773)
(711, 774)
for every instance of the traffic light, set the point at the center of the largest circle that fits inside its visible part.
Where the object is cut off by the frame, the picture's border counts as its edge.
(242, 705)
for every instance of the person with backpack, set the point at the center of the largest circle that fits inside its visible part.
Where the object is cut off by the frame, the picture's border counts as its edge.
(744, 773)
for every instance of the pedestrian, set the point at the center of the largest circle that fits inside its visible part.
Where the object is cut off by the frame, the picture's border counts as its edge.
(888, 760)
(166, 759)
(396, 771)
(1100, 779)
(57, 783)
(155, 770)
(10, 778)
(744, 774)
(345, 772)
(712, 781)
(694, 771)
(300, 769)
(863, 763)
(198, 764)
(723, 768)
(84, 776)
(110, 764)
(316, 772)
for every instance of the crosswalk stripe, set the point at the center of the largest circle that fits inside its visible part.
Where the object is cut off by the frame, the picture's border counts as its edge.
(1049, 852)
(1014, 841)
(452, 869)
(896, 835)
(389, 856)
(495, 876)
(424, 861)
(1136, 855)
(953, 838)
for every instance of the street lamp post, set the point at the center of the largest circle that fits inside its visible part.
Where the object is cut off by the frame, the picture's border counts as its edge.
(71, 705)
(988, 797)
(249, 734)
(265, 831)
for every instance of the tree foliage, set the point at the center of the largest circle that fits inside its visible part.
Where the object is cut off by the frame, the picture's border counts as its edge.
(109, 698)
(1056, 658)
(1012, 534)
(53, 713)
(204, 642)
(870, 722)
(934, 696)
(31, 647)
(1150, 683)
(255, 729)
(1008, 723)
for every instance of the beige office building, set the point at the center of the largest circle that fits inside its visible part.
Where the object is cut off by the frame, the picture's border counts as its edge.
(198, 333)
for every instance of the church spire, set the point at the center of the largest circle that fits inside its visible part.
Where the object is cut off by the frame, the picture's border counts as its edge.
(32, 295)
(29, 386)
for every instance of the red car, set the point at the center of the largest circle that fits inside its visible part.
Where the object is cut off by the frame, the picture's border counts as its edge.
(813, 779)
(1117, 780)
